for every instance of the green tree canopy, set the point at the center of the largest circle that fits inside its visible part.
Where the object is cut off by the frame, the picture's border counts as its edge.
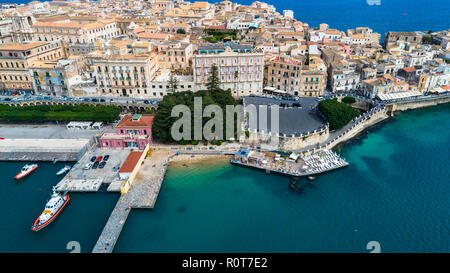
(80, 112)
(349, 100)
(163, 121)
(337, 114)
(213, 80)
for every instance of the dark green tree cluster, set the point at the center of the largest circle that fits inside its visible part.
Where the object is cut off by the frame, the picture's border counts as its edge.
(217, 35)
(81, 112)
(427, 39)
(349, 100)
(163, 121)
(337, 114)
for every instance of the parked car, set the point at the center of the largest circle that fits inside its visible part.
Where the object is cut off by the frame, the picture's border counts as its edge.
(106, 158)
(99, 158)
(94, 100)
(95, 165)
(93, 158)
(102, 100)
(146, 102)
(87, 166)
(102, 164)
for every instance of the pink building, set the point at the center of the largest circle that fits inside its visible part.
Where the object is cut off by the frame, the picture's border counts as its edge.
(133, 131)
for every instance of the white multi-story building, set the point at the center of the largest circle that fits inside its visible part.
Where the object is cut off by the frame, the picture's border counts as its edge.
(287, 13)
(240, 68)
(74, 32)
(124, 75)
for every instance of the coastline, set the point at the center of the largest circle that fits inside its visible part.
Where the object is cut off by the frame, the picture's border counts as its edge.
(189, 160)
(379, 125)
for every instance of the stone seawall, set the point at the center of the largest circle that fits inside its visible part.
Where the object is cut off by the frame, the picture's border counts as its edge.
(417, 104)
(378, 117)
(38, 156)
(382, 115)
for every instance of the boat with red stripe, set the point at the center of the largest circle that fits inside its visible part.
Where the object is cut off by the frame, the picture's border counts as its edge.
(26, 170)
(53, 207)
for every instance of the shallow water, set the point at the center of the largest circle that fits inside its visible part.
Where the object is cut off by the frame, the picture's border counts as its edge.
(395, 191)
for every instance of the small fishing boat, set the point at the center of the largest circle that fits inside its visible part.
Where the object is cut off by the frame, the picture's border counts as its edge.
(311, 178)
(63, 170)
(26, 170)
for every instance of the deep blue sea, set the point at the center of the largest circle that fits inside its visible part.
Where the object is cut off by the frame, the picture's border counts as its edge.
(388, 16)
(344, 14)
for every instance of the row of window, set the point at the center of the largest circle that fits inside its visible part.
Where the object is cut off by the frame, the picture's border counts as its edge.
(222, 61)
(47, 47)
(294, 67)
(15, 78)
(224, 70)
(11, 65)
(119, 68)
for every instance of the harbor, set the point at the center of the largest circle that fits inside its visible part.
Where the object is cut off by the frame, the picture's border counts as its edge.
(42, 149)
(141, 195)
(138, 174)
(293, 165)
(82, 179)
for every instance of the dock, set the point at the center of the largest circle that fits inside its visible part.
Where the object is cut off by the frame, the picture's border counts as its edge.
(142, 195)
(79, 185)
(80, 180)
(41, 149)
(317, 163)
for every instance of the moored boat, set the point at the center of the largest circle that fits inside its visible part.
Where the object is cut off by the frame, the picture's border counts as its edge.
(63, 170)
(53, 207)
(26, 170)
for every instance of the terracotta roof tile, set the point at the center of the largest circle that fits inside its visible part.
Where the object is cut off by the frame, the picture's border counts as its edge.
(130, 163)
(144, 121)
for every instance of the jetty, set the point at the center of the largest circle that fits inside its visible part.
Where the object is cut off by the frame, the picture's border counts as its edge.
(142, 194)
(294, 165)
(27, 149)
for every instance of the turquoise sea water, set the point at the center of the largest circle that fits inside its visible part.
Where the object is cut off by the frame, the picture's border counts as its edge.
(395, 191)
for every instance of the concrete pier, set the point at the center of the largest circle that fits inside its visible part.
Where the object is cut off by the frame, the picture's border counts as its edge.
(317, 163)
(142, 194)
(41, 149)
(80, 180)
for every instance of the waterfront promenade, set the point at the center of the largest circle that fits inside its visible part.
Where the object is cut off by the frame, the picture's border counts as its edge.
(317, 163)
